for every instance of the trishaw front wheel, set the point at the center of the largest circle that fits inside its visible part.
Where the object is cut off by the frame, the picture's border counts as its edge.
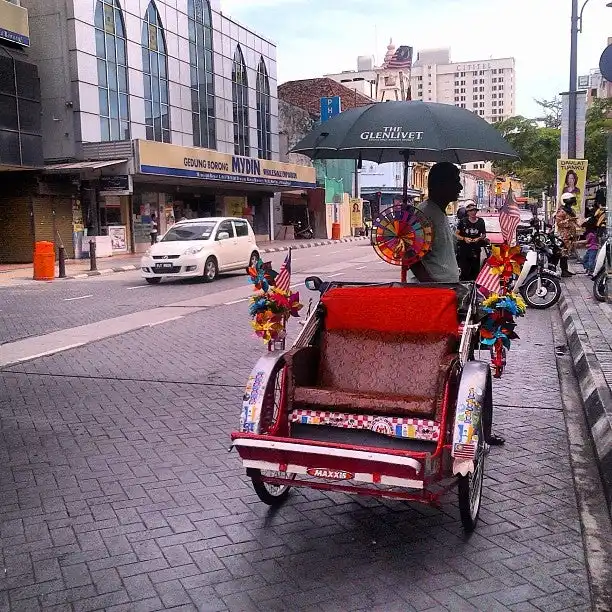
(470, 487)
(269, 493)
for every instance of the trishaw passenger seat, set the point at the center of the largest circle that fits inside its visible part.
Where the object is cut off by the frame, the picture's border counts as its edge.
(384, 350)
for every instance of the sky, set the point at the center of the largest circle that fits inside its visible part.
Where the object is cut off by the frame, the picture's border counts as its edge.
(317, 37)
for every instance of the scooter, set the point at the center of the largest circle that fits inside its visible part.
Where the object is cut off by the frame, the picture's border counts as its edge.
(538, 281)
(600, 272)
(303, 229)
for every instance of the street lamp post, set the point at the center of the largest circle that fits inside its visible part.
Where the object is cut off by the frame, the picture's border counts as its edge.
(573, 94)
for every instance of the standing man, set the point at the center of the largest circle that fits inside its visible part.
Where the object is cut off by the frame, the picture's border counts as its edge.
(440, 264)
(471, 235)
(153, 230)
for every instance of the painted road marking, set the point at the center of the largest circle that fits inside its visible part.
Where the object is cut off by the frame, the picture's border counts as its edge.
(165, 321)
(361, 267)
(138, 287)
(81, 297)
(336, 274)
(51, 352)
(235, 301)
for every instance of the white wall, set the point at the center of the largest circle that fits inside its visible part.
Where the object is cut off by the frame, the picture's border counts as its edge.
(73, 59)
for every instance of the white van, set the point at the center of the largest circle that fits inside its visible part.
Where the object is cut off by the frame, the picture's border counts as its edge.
(201, 247)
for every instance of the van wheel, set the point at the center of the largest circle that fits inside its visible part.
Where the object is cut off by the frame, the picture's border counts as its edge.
(153, 281)
(253, 259)
(210, 270)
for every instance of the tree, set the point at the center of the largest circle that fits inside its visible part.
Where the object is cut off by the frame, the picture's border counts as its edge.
(538, 148)
(598, 124)
(552, 112)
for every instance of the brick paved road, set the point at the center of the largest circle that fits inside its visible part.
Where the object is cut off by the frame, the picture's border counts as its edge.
(37, 308)
(119, 494)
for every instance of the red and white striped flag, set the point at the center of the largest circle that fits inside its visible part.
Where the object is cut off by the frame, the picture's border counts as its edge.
(487, 280)
(509, 218)
(283, 280)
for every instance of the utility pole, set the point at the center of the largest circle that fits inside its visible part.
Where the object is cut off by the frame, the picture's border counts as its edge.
(571, 132)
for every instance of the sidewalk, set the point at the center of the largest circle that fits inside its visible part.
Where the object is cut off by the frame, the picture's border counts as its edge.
(588, 325)
(79, 268)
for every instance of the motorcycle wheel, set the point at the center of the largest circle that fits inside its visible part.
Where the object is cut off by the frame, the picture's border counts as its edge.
(307, 234)
(600, 286)
(550, 291)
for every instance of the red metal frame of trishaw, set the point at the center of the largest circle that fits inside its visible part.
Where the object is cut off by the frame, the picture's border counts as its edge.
(349, 465)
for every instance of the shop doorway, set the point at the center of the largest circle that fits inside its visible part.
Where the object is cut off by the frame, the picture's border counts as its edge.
(194, 207)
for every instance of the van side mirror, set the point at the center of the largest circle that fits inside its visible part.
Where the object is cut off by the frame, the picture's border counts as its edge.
(223, 235)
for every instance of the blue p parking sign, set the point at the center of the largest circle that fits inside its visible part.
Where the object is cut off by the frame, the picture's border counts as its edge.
(330, 107)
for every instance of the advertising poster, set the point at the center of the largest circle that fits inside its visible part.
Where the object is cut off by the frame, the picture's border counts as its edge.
(571, 178)
(118, 236)
(356, 217)
(235, 205)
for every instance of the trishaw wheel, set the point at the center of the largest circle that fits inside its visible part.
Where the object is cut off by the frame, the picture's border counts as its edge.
(274, 398)
(271, 494)
(470, 486)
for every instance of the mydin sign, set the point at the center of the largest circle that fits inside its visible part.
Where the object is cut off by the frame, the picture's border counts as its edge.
(14, 25)
(191, 162)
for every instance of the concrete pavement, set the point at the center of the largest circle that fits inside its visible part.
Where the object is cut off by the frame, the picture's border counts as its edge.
(117, 492)
(588, 325)
(80, 268)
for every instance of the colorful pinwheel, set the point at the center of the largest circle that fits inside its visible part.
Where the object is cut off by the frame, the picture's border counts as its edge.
(271, 307)
(506, 260)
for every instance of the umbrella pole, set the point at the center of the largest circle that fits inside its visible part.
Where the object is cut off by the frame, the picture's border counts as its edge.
(404, 274)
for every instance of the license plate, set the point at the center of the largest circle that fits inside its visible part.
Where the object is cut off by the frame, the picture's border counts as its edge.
(164, 265)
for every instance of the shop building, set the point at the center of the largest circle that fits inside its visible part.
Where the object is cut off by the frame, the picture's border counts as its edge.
(25, 214)
(164, 108)
(299, 112)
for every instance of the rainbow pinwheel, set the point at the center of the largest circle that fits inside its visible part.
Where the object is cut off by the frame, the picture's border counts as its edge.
(506, 260)
(262, 275)
(271, 306)
(268, 326)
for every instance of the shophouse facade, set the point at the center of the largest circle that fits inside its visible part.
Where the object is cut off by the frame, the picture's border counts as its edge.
(157, 107)
(21, 214)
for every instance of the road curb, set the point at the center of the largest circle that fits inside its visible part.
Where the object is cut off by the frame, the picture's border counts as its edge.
(594, 391)
(301, 245)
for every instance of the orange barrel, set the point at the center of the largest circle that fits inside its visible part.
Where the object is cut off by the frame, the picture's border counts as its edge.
(44, 261)
(335, 231)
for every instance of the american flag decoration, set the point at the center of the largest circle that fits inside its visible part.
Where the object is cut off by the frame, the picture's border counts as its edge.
(464, 451)
(509, 218)
(401, 59)
(488, 280)
(283, 280)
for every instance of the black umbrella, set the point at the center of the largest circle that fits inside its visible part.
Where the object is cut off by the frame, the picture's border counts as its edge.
(406, 131)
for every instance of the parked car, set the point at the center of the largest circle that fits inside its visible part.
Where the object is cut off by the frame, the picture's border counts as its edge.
(494, 233)
(201, 248)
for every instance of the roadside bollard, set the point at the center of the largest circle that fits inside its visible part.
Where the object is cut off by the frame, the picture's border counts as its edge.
(93, 264)
(62, 262)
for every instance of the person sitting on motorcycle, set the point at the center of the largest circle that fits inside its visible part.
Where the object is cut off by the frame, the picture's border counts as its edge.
(471, 235)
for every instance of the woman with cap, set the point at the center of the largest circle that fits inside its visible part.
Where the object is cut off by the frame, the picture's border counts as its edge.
(471, 236)
(567, 227)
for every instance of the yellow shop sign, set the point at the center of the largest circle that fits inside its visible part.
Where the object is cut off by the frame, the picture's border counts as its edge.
(14, 25)
(162, 159)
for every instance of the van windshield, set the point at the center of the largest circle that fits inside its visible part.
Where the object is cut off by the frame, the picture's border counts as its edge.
(189, 231)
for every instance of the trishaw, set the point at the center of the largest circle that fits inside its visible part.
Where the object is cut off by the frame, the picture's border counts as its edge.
(380, 395)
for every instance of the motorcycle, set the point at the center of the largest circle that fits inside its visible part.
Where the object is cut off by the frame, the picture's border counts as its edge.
(603, 262)
(303, 229)
(538, 282)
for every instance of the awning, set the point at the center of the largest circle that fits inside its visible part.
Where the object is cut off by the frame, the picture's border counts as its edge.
(75, 167)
